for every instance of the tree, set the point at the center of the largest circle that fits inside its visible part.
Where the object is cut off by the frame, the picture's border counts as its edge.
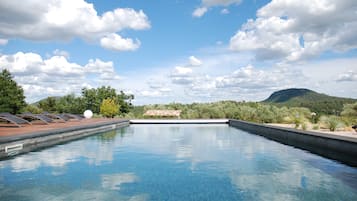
(12, 97)
(70, 104)
(124, 100)
(92, 98)
(48, 105)
(109, 108)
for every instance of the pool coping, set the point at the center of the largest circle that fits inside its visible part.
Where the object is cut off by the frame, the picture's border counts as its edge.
(340, 148)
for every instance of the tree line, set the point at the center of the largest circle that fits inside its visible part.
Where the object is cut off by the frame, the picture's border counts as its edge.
(257, 112)
(103, 100)
(107, 102)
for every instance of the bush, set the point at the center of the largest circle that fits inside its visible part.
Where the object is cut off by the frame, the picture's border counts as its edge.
(33, 109)
(304, 126)
(316, 127)
(332, 122)
(109, 108)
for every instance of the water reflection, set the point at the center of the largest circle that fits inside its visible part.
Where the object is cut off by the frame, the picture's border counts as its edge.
(145, 162)
(113, 181)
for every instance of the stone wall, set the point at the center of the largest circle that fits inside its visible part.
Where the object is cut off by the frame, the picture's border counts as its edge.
(341, 148)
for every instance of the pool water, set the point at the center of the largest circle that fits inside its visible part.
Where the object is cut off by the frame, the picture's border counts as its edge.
(175, 162)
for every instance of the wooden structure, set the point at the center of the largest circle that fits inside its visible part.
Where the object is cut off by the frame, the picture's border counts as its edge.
(163, 113)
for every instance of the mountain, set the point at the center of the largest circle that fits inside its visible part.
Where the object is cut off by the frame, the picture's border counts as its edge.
(38, 102)
(316, 102)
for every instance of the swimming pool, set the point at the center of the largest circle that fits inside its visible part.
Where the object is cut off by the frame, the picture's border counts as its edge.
(175, 162)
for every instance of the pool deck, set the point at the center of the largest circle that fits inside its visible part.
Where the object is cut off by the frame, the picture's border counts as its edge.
(12, 133)
(19, 140)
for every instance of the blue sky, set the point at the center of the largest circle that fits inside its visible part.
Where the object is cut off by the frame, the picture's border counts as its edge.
(180, 51)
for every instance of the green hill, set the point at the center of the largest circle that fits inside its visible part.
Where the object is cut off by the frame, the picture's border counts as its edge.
(316, 102)
(38, 102)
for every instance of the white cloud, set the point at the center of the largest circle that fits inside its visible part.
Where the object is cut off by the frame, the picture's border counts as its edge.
(194, 61)
(152, 93)
(63, 53)
(56, 76)
(3, 41)
(65, 20)
(251, 78)
(113, 181)
(182, 75)
(199, 12)
(117, 43)
(206, 4)
(225, 11)
(350, 76)
(181, 71)
(298, 29)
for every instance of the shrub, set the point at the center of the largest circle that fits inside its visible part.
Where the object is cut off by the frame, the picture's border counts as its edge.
(316, 127)
(109, 108)
(298, 120)
(304, 126)
(332, 122)
(33, 109)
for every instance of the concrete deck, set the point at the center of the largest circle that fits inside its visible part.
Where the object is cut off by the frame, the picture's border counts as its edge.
(14, 140)
(179, 121)
(10, 130)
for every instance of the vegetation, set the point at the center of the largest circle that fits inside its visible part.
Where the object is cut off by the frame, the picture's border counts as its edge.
(301, 117)
(12, 97)
(109, 108)
(90, 99)
(33, 109)
(248, 111)
(316, 102)
(350, 113)
(70, 104)
(291, 106)
(331, 122)
(49, 104)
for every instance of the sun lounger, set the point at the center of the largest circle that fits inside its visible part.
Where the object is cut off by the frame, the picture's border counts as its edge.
(40, 117)
(55, 116)
(71, 116)
(13, 119)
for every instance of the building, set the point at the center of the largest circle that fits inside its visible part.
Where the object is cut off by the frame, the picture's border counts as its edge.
(163, 113)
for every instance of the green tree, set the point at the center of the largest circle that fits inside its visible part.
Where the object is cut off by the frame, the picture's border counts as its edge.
(12, 97)
(350, 112)
(48, 105)
(92, 98)
(70, 104)
(109, 108)
(124, 100)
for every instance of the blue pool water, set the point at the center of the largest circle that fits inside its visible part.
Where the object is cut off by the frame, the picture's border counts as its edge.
(175, 162)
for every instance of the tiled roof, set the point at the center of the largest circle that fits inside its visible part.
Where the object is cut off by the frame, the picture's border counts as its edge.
(163, 113)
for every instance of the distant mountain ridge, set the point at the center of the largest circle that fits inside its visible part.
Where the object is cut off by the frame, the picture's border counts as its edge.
(316, 102)
(54, 97)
